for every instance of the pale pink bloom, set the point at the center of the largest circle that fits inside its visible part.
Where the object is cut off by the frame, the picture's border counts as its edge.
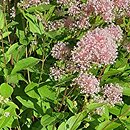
(88, 84)
(55, 25)
(56, 72)
(116, 32)
(74, 9)
(128, 12)
(34, 1)
(82, 23)
(123, 4)
(97, 46)
(113, 94)
(60, 51)
(62, 1)
(128, 47)
(87, 9)
(104, 8)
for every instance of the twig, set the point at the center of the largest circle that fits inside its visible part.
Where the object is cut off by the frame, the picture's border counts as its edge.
(102, 72)
(63, 99)
(28, 70)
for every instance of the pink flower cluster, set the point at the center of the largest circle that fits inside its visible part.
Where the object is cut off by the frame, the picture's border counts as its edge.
(104, 8)
(54, 25)
(88, 84)
(128, 47)
(113, 94)
(79, 13)
(56, 72)
(63, 1)
(122, 4)
(97, 46)
(107, 8)
(34, 1)
(60, 51)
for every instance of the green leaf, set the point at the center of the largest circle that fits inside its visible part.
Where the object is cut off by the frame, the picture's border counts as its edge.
(71, 106)
(30, 90)
(74, 122)
(12, 48)
(1, 19)
(40, 8)
(126, 91)
(12, 104)
(93, 106)
(26, 103)
(6, 90)
(126, 122)
(6, 121)
(115, 111)
(107, 125)
(15, 78)
(34, 28)
(46, 92)
(111, 72)
(62, 126)
(4, 35)
(33, 24)
(24, 64)
(47, 120)
(22, 37)
(13, 23)
(50, 12)
(105, 114)
(19, 52)
(125, 110)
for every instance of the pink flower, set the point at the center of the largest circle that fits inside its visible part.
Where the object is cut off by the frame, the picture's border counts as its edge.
(113, 94)
(56, 72)
(98, 46)
(82, 23)
(104, 8)
(116, 32)
(74, 9)
(34, 1)
(128, 47)
(88, 84)
(62, 1)
(128, 12)
(60, 51)
(123, 4)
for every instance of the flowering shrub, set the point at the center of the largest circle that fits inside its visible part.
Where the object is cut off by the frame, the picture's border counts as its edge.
(65, 64)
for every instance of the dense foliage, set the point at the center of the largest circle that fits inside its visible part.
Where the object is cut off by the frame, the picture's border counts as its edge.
(65, 65)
